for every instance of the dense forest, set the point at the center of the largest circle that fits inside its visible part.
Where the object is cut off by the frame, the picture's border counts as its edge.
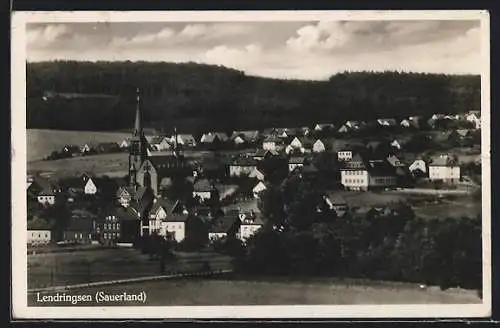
(74, 95)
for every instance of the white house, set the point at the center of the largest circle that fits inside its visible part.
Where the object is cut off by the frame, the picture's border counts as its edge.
(256, 174)
(90, 187)
(295, 162)
(343, 129)
(238, 140)
(47, 197)
(444, 168)
(322, 127)
(354, 178)
(164, 144)
(258, 189)
(250, 224)
(125, 143)
(203, 189)
(405, 123)
(242, 166)
(88, 147)
(38, 237)
(270, 143)
(418, 164)
(319, 146)
(186, 140)
(474, 117)
(175, 225)
(344, 155)
(396, 144)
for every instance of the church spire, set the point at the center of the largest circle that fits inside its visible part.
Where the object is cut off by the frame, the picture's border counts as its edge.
(138, 123)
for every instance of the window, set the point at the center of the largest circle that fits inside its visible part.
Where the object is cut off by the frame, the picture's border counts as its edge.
(105, 235)
(81, 236)
(76, 235)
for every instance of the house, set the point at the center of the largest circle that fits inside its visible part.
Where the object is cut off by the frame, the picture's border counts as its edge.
(462, 133)
(405, 123)
(344, 155)
(209, 138)
(38, 237)
(71, 150)
(186, 140)
(90, 187)
(242, 166)
(271, 143)
(108, 229)
(250, 223)
(381, 174)
(79, 230)
(474, 116)
(396, 144)
(319, 146)
(394, 161)
(418, 165)
(223, 227)
(47, 197)
(353, 125)
(260, 154)
(155, 143)
(158, 216)
(337, 204)
(125, 224)
(444, 168)
(124, 195)
(323, 127)
(256, 174)
(295, 162)
(343, 129)
(177, 226)
(125, 144)
(37, 184)
(164, 144)
(88, 148)
(260, 187)
(386, 122)
(250, 136)
(107, 147)
(354, 174)
(204, 189)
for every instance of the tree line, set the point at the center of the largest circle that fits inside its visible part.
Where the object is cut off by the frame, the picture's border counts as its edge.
(392, 245)
(89, 96)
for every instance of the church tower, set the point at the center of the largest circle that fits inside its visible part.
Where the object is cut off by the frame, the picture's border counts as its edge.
(138, 146)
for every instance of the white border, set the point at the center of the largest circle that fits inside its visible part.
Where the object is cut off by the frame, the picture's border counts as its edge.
(19, 208)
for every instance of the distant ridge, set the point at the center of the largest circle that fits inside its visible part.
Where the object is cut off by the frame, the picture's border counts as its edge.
(196, 97)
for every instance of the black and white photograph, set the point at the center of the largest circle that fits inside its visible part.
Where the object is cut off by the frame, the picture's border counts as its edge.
(279, 164)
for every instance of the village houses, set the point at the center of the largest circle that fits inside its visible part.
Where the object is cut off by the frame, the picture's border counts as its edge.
(444, 168)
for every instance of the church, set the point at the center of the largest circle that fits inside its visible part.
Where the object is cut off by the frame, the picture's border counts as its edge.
(156, 173)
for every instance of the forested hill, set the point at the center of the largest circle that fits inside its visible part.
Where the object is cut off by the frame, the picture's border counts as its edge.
(194, 97)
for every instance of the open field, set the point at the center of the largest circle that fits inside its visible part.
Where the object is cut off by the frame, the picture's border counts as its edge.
(56, 269)
(105, 164)
(40, 143)
(368, 198)
(280, 291)
(457, 208)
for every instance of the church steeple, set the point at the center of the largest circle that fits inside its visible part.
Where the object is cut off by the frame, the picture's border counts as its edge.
(138, 124)
(138, 145)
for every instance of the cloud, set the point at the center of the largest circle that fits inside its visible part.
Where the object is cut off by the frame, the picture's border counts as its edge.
(46, 35)
(305, 50)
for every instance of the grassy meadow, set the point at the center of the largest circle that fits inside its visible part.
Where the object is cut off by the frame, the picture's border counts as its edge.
(40, 143)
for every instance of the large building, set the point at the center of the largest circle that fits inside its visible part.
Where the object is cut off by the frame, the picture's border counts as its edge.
(148, 170)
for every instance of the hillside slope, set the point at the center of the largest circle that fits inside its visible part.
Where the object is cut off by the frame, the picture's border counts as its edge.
(196, 97)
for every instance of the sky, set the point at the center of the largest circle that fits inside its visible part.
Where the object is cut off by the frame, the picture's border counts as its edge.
(311, 50)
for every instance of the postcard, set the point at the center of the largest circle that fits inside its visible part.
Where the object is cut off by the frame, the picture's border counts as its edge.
(235, 165)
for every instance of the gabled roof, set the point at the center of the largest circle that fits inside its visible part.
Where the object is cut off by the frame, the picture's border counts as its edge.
(249, 135)
(222, 136)
(380, 168)
(156, 140)
(462, 132)
(264, 152)
(395, 161)
(168, 205)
